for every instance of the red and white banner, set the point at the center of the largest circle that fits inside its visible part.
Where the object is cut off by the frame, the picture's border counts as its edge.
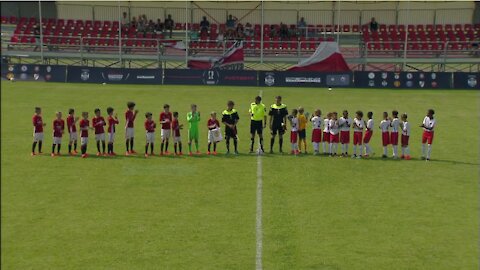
(327, 58)
(232, 59)
(175, 44)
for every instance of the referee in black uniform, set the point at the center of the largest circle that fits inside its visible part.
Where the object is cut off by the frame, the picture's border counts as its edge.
(278, 122)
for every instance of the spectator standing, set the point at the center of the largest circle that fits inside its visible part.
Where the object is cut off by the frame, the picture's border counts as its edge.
(168, 25)
(248, 30)
(302, 26)
(373, 25)
(134, 22)
(159, 26)
(283, 31)
(125, 21)
(204, 24)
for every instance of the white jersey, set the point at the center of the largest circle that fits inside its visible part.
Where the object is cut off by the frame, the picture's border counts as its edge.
(406, 128)
(326, 125)
(344, 123)
(333, 126)
(429, 124)
(385, 125)
(294, 123)
(317, 122)
(395, 124)
(370, 124)
(359, 125)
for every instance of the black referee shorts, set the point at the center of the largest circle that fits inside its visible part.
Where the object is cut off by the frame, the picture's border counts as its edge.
(277, 128)
(256, 126)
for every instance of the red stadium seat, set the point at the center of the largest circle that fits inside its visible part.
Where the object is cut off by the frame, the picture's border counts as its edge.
(355, 28)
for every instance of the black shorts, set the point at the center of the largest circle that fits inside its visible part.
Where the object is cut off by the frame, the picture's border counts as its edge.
(302, 134)
(256, 126)
(232, 133)
(277, 129)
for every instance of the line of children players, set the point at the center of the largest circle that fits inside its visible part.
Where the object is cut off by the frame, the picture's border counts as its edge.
(328, 131)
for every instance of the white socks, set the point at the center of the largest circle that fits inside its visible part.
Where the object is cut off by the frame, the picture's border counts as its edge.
(316, 147)
(385, 150)
(324, 144)
(361, 150)
(429, 151)
(333, 148)
(354, 149)
(367, 149)
(395, 150)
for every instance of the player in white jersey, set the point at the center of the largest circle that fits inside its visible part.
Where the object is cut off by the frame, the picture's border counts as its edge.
(368, 134)
(326, 134)
(395, 125)
(294, 131)
(358, 125)
(428, 126)
(405, 136)
(334, 134)
(317, 123)
(384, 126)
(345, 123)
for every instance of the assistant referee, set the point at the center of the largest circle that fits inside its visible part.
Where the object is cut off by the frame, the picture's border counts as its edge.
(258, 114)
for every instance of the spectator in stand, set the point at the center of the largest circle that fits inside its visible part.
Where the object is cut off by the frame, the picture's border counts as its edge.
(284, 31)
(248, 30)
(159, 26)
(204, 24)
(134, 22)
(141, 24)
(220, 39)
(239, 31)
(231, 22)
(373, 25)
(36, 33)
(302, 26)
(168, 25)
(125, 21)
(151, 26)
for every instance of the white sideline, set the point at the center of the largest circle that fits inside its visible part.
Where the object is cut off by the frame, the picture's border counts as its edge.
(258, 227)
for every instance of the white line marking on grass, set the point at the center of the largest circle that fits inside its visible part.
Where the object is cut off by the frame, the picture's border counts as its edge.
(258, 227)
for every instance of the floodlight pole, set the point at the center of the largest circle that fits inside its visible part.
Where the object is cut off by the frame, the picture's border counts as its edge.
(261, 33)
(41, 28)
(338, 23)
(119, 34)
(186, 33)
(406, 37)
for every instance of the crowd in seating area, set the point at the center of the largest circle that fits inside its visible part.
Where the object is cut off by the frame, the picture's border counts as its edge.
(139, 31)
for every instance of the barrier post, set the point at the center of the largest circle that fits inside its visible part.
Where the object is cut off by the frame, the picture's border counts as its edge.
(41, 29)
(261, 33)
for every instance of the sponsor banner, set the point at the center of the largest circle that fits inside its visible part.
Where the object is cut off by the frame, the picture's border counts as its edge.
(24, 72)
(464, 80)
(414, 80)
(210, 77)
(307, 79)
(114, 75)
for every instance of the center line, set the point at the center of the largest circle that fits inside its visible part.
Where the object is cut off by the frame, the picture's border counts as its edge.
(259, 230)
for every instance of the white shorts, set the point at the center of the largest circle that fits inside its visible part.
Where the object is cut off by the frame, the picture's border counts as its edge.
(38, 136)
(73, 136)
(214, 135)
(57, 140)
(129, 133)
(177, 139)
(84, 140)
(150, 136)
(100, 137)
(111, 137)
(165, 134)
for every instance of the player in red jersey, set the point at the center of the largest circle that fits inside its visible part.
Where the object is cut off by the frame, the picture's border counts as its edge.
(150, 133)
(72, 131)
(58, 129)
(84, 127)
(98, 122)
(37, 130)
(130, 115)
(165, 119)
(112, 121)
(177, 140)
(213, 126)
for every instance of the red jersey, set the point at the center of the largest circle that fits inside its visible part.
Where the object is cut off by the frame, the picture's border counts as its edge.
(111, 124)
(84, 123)
(37, 123)
(98, 123)
(129, 118)
(58, 127)
(71, 124)
(163, 117)
(150, 125)
(176, 128)
(212, 122)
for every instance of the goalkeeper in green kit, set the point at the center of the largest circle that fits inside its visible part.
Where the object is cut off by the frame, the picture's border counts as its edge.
(193, 118)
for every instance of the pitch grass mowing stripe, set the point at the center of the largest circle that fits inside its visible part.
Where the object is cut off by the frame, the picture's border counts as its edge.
(258, 227)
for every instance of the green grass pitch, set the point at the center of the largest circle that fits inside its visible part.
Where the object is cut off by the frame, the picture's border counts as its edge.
(199, 212)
